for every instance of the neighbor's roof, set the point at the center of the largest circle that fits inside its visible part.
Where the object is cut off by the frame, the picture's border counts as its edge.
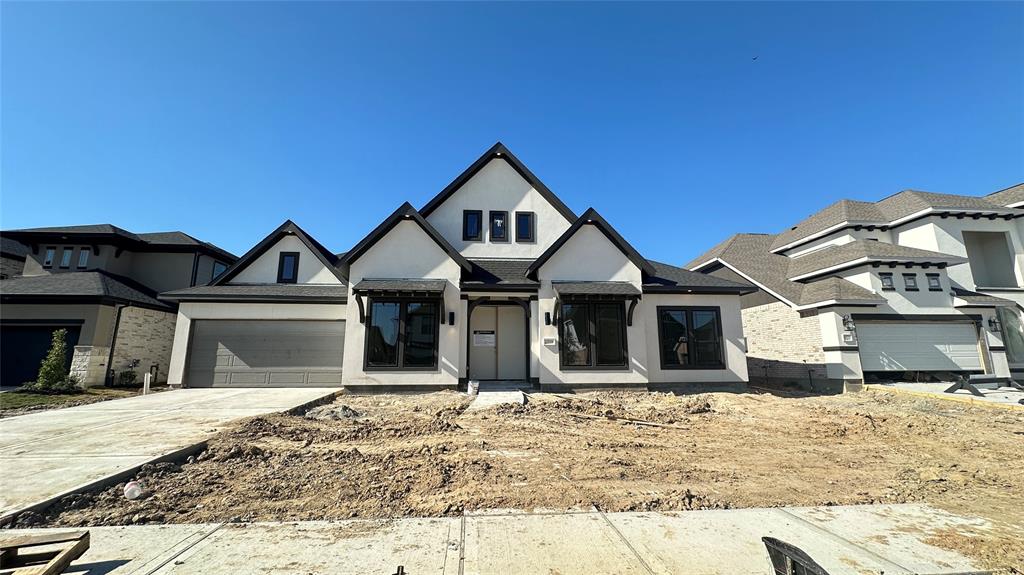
(99, 285)
(12, 248)
(975, 299)
(307, 293)
(836, 256)
(101, 231)
(1012, 196)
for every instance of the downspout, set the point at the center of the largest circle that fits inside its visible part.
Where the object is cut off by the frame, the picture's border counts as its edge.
(113, 341)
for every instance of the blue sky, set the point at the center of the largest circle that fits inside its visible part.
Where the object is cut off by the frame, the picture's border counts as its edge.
(224, 119)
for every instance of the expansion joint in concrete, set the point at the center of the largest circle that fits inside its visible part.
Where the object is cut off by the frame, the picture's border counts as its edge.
(625, 542)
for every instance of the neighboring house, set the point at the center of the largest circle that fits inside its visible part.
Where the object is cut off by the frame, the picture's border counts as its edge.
(917, 286)
(12, 258)
(495, 279)
(99, 282)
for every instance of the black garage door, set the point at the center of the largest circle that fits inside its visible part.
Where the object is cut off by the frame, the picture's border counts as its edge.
(23, 347)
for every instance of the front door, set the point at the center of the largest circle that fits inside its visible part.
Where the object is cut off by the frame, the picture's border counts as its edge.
(497, 343)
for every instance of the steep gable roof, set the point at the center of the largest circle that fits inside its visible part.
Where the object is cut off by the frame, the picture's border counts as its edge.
(498, 151)
(591, 217)
(288, 228)
(405, 212)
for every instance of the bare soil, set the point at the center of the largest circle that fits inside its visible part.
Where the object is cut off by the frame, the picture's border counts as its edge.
(424, 455)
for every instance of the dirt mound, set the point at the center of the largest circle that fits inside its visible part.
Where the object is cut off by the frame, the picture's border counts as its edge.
(333, 411)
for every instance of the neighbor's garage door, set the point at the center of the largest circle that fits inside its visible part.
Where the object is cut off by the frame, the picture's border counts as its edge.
(230, 353)
(23, 347)
(925, 346)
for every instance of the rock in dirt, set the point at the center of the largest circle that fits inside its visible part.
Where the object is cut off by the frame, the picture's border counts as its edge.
(333, 412)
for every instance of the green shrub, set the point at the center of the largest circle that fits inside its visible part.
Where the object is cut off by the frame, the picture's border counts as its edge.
(53, 371)
(126, 378)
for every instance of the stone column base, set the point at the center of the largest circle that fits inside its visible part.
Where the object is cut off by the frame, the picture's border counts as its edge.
(89, 364)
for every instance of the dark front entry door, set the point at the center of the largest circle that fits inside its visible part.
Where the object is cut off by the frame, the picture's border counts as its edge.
(23, 348)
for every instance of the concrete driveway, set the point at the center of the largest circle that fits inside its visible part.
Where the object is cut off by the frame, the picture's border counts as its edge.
(45, 455)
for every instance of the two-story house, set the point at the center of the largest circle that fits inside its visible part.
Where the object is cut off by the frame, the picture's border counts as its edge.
(918, 286)
(100, 283)
(494, 279)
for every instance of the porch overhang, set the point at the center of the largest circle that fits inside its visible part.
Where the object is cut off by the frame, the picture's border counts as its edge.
(428, 288)
(596, 290)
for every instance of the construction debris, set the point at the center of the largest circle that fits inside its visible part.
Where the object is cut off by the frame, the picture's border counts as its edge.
(60, 549)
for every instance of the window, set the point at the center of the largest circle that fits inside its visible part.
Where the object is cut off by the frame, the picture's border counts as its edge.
(472, 225)
(690, 338)
(402, 334)
(593, 335)
(934, 283)
(1013, 334)
(887, 283)
(65, 258)
(499, 226)
(525, 227)
(218, 268)
(83, 258)
(48, 258)
(910, 282)
(288, 268)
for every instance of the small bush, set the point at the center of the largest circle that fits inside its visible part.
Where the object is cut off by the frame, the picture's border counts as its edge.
(126, 378)
(53, 371)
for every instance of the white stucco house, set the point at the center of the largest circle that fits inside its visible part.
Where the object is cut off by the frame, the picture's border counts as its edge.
(494, 279)
(918, 286)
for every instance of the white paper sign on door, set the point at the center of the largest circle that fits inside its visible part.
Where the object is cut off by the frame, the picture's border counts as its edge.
(482, 338)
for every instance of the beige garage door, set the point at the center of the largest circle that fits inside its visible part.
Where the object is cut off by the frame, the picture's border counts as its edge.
(236, 353)
(925, 346)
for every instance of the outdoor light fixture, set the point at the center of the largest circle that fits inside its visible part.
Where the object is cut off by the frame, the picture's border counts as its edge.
(848, 324)
(994, 325)
(451, 318)
(547, 318)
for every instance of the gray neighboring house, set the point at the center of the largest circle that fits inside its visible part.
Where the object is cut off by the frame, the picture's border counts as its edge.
(12, 258)
(99, 282)
(918, 286)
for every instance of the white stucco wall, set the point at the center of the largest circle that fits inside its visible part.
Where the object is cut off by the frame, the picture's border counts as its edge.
(406, 252)
(497, 186)
(264, 269)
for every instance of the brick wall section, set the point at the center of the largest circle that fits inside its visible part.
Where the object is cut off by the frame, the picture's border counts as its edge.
(10, 267)
(146, 335)
(89, 364)
(784, 343)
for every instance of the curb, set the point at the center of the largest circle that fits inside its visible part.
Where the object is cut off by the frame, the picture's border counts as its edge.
(967, 400)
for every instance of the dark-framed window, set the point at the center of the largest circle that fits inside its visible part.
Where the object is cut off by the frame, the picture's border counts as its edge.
(690, 337)
(592, 335)
(526, 227)
(288, 268)
(402, 334)
(887, 283)
(83, 258)
(934, 283)
(472, 225)
(499, 226)
(65, 258)
(910, 282)
(51, 252)
(218, 268)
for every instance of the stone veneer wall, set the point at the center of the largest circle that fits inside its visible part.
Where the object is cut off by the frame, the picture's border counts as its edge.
(89, 364)
(782, 346)
(146, 335)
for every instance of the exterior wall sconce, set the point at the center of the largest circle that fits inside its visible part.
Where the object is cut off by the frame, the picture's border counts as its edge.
(848, 324)
(547, 318)
(451, 318)
(994, 325)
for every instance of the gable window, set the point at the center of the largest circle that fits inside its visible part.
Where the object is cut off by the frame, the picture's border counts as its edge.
(526, 227)
(934, 283)
(690, 337)
(592, 335)
(288, 268)
(65, 258)
(218, 268)
(402, 334)
(472, 225)
(910, 282)
(83, 258)
(499, 226)
(887, 283)
(48, 258)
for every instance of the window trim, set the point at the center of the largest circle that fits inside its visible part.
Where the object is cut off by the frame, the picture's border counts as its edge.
(592, 332)
(280, 268)
(938, 282)
(532, 228)
(70, 254)
(882, 276)
(87, 252)
(400, 351)
(47, 258)
(479, 237)
(490, 227)
(906, 284)
(213, 269)
(723, 365)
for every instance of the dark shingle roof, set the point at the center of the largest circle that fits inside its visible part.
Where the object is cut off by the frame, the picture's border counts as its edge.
(1007, 197)
(972, 298)
(672, 278)
(13, 248)
(837, 255)
(173, 238)
(596, 288)
(258, 292)
(401, 285)
(500, 272)
(97, 284)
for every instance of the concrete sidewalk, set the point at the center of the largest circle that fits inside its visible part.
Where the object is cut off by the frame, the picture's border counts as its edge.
(1002, 397)
(44, 455)
(844, 540)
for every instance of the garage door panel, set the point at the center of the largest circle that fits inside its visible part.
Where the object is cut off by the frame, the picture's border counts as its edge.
(239, 353)
(923, 346)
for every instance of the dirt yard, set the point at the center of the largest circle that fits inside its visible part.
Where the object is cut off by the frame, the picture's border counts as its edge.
(422, 455)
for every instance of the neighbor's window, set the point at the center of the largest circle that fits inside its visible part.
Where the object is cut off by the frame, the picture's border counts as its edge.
(910, 282)
(472, 225)
(402, 334)
(83, 258)
(218, 268)
(934, 283)
(499, 226)
(593, 335)
(48, 258)
(65, 257)
(690, 338)
(288, 268)
(1013, 334)
(887, 283)
(525, 227)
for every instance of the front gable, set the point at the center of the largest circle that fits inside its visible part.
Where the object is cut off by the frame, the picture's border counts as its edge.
(405, 251)
(589, 256)
(260, 264)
